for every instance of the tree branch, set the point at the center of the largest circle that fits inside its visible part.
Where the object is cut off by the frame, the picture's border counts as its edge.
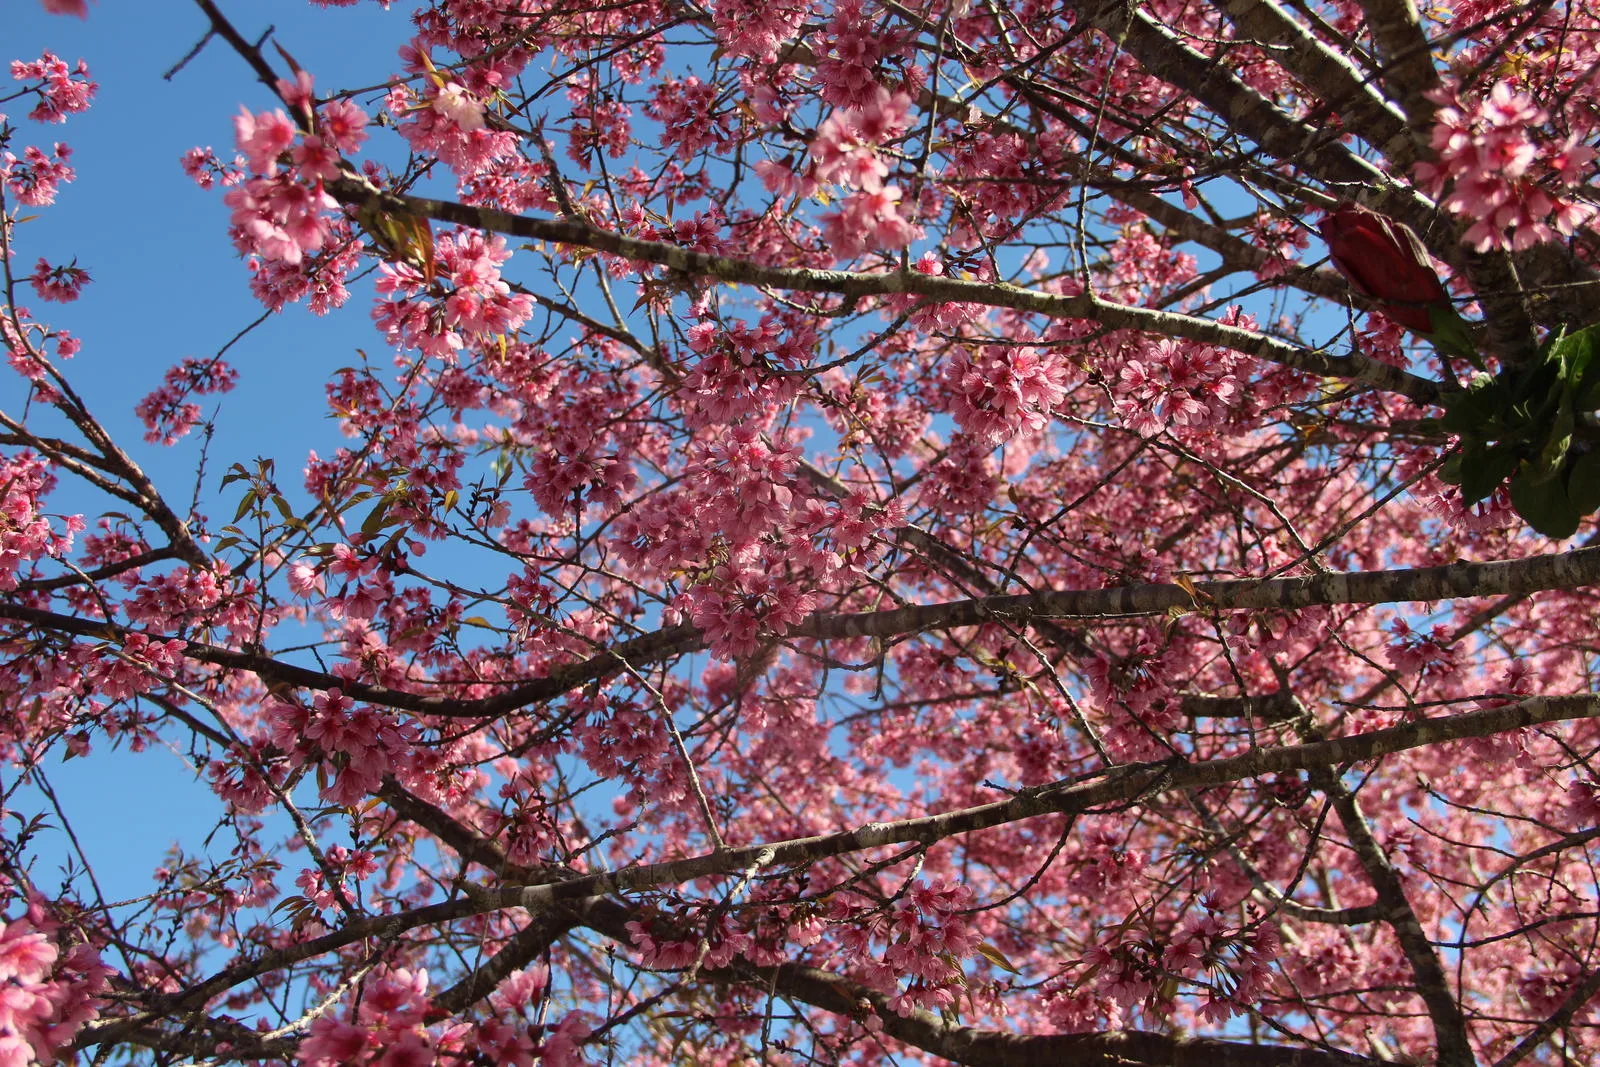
(854, 285)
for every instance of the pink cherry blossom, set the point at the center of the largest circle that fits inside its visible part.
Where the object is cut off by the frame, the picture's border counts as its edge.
(1496, 174)
(62, 284)
(63, 90)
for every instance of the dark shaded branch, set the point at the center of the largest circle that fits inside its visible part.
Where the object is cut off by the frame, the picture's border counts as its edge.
(1581, 995)
(1343, 88)
(1407, 56)
(972, 1047)
(110, 570)
(1121, 786)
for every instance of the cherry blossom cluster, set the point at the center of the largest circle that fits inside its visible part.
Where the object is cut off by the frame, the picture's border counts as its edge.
(168, 413)
(756, 29)
(602, 125)
(849, 72)
(845, 152)
(27, 532)
(1494, 169)
(448, 119)
(62, 284)
(1135, 970)
(999, 391)
(913, 947)
(34, 178)
(690, 120)
(385, 1023)
(1421, 653)
(479, 304)
(206, 169)
(623, 566)
(359, 742)
(1178, 384)
(51, 983)
(62, 90)
(283, 220)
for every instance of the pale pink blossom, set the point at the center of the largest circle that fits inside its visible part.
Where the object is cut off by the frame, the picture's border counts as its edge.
(459, 107)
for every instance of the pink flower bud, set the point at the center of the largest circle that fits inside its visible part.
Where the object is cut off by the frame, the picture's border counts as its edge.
(1382, 259)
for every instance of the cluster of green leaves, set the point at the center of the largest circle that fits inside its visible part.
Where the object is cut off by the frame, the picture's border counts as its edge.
(1529, 424)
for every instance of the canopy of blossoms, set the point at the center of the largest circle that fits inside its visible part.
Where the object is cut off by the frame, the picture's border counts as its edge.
(882, 531)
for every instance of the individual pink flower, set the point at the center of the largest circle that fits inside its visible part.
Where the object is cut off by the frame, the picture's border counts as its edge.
(79, 8)
(343, 123)
(455, 104)
(26, 955)
(305, 580)
(263, 137)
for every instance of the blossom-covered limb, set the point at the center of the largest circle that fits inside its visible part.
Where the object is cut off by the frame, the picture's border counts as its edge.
(857, 285)
(1121, 785)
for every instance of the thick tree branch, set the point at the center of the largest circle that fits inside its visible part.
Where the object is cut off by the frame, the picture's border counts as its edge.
(973, 1047)
(1407, 57)
(1324, 70)
(1568, 570)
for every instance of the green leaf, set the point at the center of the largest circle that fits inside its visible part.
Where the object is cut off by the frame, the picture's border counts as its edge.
(1544, 504)
(1583, 483)
(996, 957)
(1578, 355)
(375, 518)
(1483, 469)
(1554, 452)
(1451, 335)
(1471, 412)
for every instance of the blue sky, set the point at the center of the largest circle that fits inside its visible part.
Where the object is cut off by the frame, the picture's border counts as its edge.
(167, 284)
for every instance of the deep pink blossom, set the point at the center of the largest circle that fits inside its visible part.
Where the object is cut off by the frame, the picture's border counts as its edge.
(1496, 170)
(263, 137)
(35, 178)
(63, 90)
(168, 413)
(62, 284)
